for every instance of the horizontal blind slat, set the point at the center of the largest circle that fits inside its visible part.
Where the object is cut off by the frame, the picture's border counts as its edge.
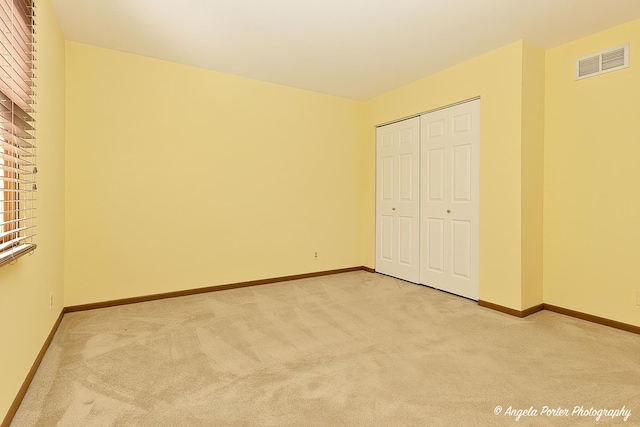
(18, 187)
(15, 211)
(16, 170)
(19, 27)
(8, 116)
(11, 150)
(15, 74)
(15, 230)
(14, 128)
(13, 90)
(20, 191)
(7, 105)
(18, 180)
(15, 140)
(14, 242)
(11, 159)
(14, 221)
(23, 64)
(20, 24)
(15, 53)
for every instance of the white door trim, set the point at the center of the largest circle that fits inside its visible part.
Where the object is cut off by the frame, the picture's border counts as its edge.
(475, 98)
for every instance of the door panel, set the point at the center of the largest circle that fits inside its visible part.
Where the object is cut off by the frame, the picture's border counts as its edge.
(435, 245)
(398, 200)
(461, 248)
(405, 234)
(461, 122)
(449, 207)
(435, 128)
(387, 237)
(462, 173)
(406, 177)
(387, 140)
(435, 175)
(387, 178)
(407, 137)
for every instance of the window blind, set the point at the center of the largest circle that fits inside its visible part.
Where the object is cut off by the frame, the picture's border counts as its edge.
(17, 130)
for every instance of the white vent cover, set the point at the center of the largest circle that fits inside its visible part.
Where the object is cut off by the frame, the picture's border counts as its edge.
(602, 62)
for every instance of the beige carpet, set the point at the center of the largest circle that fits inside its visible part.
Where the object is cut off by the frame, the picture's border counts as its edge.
(349, 349)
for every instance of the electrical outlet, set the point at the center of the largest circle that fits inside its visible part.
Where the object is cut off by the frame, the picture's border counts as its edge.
(50, 300)
(315, 256)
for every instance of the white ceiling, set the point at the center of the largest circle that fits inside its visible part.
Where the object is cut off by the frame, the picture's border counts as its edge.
(350, 48)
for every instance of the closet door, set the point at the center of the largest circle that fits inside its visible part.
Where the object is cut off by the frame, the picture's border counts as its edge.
(450, 160)
(397, 200)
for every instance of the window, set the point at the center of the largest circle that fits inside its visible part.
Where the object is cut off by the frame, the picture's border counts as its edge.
(17, 130)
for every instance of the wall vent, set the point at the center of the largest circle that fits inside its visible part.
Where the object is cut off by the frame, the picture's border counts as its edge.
(608, 60)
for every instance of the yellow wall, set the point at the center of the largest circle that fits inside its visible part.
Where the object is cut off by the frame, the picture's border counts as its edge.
(592, 177)
(497, 78)
(179, 178)
(249, 219)
(532, 162)
(25, 318)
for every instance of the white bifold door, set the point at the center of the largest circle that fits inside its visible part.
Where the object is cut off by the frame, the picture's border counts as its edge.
(445, 183)
(398, 200)
(449, 199)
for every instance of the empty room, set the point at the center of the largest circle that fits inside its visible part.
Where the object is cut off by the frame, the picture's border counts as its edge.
(319, 212)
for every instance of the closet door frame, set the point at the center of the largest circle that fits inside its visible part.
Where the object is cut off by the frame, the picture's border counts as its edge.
(471, 270)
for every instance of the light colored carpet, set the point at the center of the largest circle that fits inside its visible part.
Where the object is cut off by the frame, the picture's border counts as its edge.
(348, 349)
